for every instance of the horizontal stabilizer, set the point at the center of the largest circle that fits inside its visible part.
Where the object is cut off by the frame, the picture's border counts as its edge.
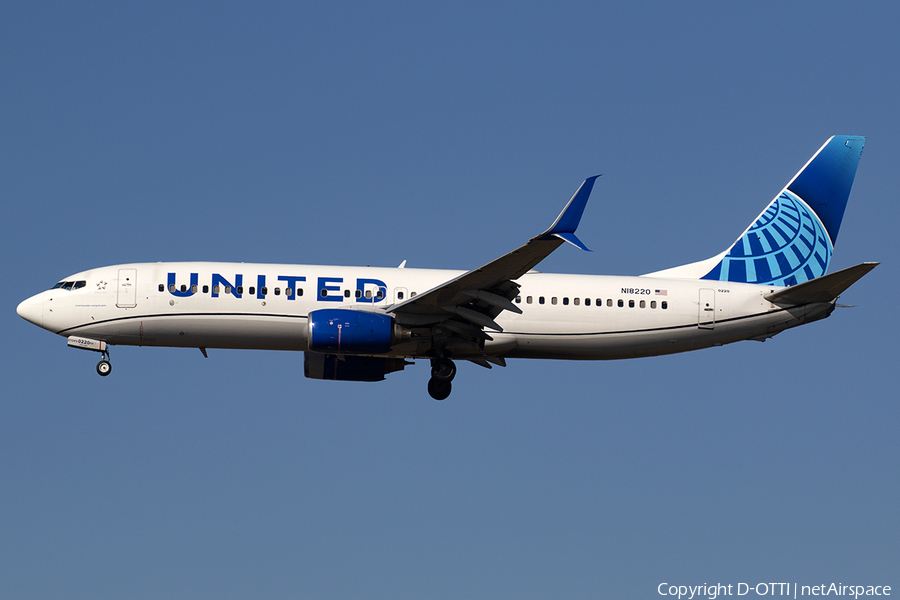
(822, 289)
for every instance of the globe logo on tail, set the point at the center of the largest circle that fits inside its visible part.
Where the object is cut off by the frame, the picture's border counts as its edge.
(786, 245)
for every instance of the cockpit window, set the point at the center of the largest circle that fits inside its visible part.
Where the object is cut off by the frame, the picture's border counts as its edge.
(70, 285)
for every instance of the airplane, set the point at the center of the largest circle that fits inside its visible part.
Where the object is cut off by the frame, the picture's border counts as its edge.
(363, 323)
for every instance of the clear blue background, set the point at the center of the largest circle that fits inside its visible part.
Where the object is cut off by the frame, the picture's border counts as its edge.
(444, 134)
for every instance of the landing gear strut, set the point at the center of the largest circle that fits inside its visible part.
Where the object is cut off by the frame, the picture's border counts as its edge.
(442, 373)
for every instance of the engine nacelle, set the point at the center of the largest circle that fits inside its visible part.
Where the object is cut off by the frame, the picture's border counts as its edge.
(342, 331)
(349, 368)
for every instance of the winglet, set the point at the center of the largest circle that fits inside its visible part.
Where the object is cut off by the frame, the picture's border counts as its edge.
(567, 222)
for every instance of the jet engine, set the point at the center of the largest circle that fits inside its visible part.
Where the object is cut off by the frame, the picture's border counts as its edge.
(342, 331)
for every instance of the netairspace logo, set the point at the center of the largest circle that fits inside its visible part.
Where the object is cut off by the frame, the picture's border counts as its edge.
(713, 591)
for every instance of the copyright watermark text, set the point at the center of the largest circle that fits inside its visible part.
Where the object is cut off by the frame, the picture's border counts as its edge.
(794, 590)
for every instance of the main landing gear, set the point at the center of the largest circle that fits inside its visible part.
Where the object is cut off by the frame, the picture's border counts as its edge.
(442, 373)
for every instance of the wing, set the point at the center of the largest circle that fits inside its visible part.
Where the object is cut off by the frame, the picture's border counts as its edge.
(467, 304)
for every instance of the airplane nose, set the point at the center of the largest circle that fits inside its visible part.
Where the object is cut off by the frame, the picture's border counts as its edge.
(32, 310)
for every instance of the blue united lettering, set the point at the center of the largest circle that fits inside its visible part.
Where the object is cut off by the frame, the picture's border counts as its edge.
(328, 289)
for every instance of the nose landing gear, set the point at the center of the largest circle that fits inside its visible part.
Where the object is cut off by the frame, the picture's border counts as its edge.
(442, 373)
(104, 367)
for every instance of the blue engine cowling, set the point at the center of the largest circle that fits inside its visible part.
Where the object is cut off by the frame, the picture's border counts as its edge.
(349, 368)
(341, 331)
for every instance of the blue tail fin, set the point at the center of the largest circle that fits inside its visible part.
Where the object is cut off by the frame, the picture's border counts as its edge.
(792, 240)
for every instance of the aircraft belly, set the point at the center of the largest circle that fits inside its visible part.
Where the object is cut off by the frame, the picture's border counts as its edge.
(263, 332)
(603, 346)
(613, 345)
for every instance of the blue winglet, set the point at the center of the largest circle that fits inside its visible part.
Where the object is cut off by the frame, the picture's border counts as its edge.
(572, 239)
(567, 222)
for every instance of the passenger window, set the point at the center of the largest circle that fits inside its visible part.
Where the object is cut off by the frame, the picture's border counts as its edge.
(643, 304)
(609, 302)
(380, 294)
(215, 289)
(183, 288)
(194, 289)
(358, 293)
(162, 288)
(227, 289)
(576, 301)
(565, 301)
(529, 300)
(621, 304)
(324, 292)
(205, 289)
(264, 290)
(240, 290)
(346, 293)
(299, 291)
(277, 291)
(541, 300)
(653, 304)
(369, 294)
(631, 304)
(664, 305)
(399, 295)
(518, 299)
(288, 292)
(172, 288)
(411, 294)
(587, 301)
(251, 290)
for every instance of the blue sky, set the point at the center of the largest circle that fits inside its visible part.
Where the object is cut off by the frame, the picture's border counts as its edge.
(445, 135)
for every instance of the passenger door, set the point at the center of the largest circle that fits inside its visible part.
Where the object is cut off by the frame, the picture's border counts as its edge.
(706, 316)
(126, 295)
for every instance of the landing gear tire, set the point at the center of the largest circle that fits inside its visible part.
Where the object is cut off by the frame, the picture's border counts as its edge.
(439, 389)
(104, 368)
(443, 369)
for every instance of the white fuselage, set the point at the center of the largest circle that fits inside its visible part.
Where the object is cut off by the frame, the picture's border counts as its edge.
(265, 306)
